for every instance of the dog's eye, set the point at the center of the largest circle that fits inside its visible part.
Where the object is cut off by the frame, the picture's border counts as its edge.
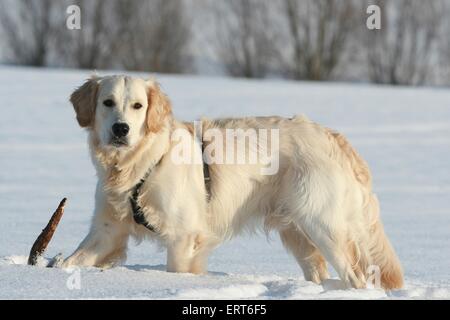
(137, 106)
(108, 103)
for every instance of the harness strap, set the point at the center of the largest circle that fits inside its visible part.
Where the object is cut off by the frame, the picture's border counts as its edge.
(138, 213)
(206, 174)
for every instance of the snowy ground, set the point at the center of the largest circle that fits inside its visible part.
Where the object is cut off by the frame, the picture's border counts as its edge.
(404, 133)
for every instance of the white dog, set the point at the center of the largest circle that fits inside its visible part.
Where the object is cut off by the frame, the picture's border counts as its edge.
(319, 198)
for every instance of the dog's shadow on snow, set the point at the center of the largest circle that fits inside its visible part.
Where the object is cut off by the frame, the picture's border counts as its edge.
(145, 267)
(333, 284)
(163, 267)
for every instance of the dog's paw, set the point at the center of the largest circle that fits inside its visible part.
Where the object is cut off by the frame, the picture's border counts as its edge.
(56, 262)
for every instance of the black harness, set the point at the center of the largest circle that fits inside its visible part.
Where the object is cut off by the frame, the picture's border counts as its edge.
(138, 213)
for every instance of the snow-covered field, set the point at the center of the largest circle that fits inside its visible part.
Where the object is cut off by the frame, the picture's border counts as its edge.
(404, 133)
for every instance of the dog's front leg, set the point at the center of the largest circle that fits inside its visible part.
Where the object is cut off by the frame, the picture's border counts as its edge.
(106, 243)
(180, 254)
(188, 253)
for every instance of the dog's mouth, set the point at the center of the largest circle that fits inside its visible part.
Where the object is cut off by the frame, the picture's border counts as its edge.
(118, 142)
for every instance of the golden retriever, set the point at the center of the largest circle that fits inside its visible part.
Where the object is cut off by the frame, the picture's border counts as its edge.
(318, 195)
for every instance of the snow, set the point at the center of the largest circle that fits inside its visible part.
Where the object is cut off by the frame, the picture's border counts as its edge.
(404, 133)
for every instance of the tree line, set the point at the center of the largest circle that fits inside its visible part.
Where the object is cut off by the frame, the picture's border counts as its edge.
(295, 39)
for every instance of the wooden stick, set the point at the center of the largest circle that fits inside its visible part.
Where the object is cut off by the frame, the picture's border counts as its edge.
(46, 235)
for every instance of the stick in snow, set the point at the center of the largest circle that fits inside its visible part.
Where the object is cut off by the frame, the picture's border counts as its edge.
(46, 235)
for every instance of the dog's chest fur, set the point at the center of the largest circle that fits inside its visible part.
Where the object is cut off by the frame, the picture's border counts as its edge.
(121, 202)
(117, 186)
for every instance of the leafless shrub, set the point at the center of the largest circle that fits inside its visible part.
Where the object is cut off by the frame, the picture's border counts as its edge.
(28, 30)
(442, 73)
(244, 40)
(152, 35)
(299, 39)
(91, 46)
(318, 31)
(401, 51)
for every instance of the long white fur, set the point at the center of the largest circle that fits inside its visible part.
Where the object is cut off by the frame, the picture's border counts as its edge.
(320, 200)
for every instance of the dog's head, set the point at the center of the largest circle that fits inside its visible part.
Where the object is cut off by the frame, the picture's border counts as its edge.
(120, 109)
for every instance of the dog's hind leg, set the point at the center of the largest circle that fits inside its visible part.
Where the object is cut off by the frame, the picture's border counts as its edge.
(308, 257)
(333, 245)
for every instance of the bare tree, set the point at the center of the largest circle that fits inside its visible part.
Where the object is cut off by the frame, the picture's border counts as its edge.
(441, 70)
(401, 51)
(318, 31)
(28, 29)
(154, 35)
(244, 39)
(91, 46)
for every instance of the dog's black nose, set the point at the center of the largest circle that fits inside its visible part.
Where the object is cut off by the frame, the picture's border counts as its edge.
(120, 130)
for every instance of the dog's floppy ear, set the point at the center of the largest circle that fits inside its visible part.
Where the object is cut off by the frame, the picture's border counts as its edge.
(84, 100)
(158, 107)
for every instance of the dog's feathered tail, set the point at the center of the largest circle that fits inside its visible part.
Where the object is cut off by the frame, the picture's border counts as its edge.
(380, 250)
(374, 248)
